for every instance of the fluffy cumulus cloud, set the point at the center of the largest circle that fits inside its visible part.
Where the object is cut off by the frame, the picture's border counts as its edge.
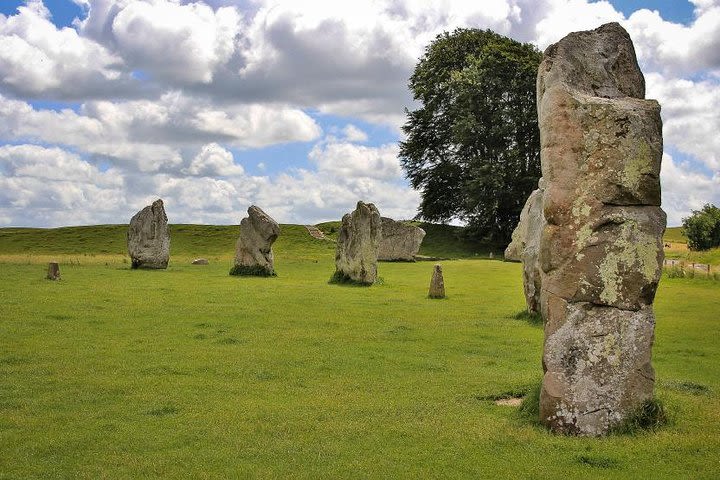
(54, 186)
(154, 96)
(685, 189)
(190, 40)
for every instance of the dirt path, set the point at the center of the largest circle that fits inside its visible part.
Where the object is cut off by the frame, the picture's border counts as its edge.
(315, 232)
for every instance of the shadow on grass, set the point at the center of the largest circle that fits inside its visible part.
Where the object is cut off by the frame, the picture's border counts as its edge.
(688, 387)
(339, 278)
(534, 319)
(163, 411)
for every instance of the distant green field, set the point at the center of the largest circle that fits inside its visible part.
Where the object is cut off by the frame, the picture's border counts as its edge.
(675, 235)
(191, 373)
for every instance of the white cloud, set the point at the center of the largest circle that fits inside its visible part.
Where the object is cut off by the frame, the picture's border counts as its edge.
(166, 88)
(348, 160)
(37, 57)
(177, 42)
(354, 134)
(49, 186)
(150, 135)
(685, 190)
(213, 160)
(691, 118)
(673, 48)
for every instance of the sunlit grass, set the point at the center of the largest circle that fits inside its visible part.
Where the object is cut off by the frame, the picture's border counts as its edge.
(192, 373)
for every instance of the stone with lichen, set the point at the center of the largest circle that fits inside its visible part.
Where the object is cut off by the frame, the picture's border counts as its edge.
(600, 252)
(437, 283)
(400, 241)
(356, 253)
(253, 250)
(148, 237)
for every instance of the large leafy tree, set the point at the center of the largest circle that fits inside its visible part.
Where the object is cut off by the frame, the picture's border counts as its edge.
(473, 146)
(702, 228)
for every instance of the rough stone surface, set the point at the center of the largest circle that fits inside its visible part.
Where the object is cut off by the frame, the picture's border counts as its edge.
(399, 242)
(437, 283)
(53, 271)
(532, 273)
(601, 251)
(514, 251)
(357, 245)
(200, 261)
(253, 250)
(148, 237)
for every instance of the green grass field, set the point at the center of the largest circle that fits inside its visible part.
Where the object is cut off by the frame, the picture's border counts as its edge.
(191, 373)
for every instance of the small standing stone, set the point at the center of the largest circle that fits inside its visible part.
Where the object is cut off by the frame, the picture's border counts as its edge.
(437, 284)
(200, 261)
(53, 271)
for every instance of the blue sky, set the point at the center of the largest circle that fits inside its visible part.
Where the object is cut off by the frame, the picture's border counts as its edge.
(295, 106)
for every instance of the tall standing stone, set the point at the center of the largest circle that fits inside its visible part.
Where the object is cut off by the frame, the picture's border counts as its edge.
(399, 241)
(148, 238)
(356, 253)
(253, 250)
(437, 283)
(601, 250)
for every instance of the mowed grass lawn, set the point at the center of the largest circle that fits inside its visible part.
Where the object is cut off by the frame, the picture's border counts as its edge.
(191, 373)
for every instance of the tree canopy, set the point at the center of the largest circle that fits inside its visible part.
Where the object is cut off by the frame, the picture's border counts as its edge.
(702, 228)
(473, 146)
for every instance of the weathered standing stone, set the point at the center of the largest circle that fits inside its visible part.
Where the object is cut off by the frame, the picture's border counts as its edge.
(437, 283)
(53, 271)
(601, 250)
(514, 251)
(399, 242)
(253, 251)
(532, 273)
(357, 245)
(148, 238)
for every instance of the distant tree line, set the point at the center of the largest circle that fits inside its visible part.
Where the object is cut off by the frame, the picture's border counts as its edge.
(702, 228)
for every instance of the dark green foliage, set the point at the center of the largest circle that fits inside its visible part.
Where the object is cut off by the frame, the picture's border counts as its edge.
(702, 228)
(340, 278)
(649, 415)
(473, 147)
(254, 271)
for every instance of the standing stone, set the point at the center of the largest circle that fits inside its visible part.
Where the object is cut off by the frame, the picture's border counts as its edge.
(601, 250)
(532, 273)
(399, 242)
(525, 246)
(437, 284)
(53, 271)
(253, 251)
(148, 238)
(357, 246)
(514, 251)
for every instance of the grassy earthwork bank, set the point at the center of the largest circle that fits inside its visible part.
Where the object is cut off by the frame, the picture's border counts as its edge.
(191, 373)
